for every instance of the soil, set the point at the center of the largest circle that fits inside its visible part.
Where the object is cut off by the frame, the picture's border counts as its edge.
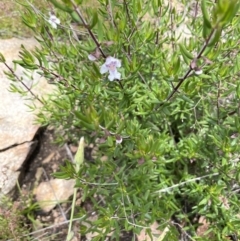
(49, 156)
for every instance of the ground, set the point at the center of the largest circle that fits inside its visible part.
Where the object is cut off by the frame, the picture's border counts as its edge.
(10, 17)
(48, 157)
(45, 160)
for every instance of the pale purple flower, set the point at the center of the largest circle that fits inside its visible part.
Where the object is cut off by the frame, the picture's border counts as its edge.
(53, 20)
(91, 57)
(111, 66)
(95, 55)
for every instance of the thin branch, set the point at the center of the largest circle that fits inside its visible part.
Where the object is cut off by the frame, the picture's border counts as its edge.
(157, 23)
(127, 10)
(111, 13)
(69, 153)
(50, 227)
(88, 29)
(129, 22)
(172, 27)
(199, 55)
(218, 107)
(25, 86)
(134, 224)
(57, 76)
(167, 189)
(183, 231)
(196, 10)
(231, 113)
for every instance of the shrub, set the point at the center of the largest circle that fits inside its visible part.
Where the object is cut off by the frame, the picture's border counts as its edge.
(153, 85)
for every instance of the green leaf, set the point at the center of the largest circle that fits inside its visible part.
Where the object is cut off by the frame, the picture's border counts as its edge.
(75, 17)
(206, 18)
(205, 76)
(94, 20)
(81, 116)
(216, 36)
(238, 90)
(184, 52)
(63, 7)
(29, 19)
(2, 59)
(224, 11)
(176, 65)
(206, 31)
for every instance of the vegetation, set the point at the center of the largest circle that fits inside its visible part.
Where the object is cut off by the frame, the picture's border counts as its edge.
(154, 86)
(10, 12)
(13, 223)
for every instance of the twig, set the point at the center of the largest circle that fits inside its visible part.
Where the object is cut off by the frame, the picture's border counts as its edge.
(69, 153)
(183, 231)
(50, 227)
(134, 224)
(25, 86)
(199, 55)
(57, 76)
(218, 107)
(111, 13)
(88, 29)
(172, 27)
(167, 189)
(157, 23)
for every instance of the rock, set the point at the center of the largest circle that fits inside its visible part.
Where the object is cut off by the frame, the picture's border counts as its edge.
(12, 166)
(48, 194)
(16, 121)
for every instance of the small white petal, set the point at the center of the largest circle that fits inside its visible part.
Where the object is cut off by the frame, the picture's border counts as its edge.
(119, 140)
(118, 63)
(111, 77)
(198, 72)
(53, 20)
(109, 59)
(54, 25)
(103, 69)
(57, 21)
(114, 75)
(117, 75)
(91, 57)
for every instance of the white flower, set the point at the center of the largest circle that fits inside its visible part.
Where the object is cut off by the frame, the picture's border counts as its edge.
(118, 139)
(53, 20)
(111, 66)
(198, 71)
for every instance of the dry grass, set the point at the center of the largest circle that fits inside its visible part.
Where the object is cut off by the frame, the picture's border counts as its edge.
(10, 12)
(10, 16)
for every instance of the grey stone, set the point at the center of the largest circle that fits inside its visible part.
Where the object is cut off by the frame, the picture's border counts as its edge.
(48, 194)
(12, 166)
(16, 121)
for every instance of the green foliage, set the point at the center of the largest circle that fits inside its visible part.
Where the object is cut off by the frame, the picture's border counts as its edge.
(12, 220)
(166, 132)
